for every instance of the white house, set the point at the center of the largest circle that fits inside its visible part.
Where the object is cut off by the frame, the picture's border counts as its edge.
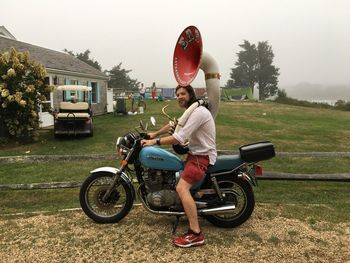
(63, 69)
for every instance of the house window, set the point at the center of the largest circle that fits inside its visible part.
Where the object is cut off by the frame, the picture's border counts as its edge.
(47, 80)
(74, 82)
(55, 80)
(94, 92)
(68, 95)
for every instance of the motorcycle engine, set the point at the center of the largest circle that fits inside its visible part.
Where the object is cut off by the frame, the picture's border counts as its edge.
(160, 186)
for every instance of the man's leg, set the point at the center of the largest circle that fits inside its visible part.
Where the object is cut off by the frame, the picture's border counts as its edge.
(183, 189)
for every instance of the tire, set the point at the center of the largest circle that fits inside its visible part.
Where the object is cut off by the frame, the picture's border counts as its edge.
(112, 211)
(91, 131)
(242, 197)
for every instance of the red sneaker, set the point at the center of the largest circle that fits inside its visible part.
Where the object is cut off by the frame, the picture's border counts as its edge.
(189, 239)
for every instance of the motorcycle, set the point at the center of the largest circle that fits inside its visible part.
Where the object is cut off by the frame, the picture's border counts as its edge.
(224, 196)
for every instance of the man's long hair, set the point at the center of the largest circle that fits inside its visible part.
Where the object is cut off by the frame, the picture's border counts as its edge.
(190, 91)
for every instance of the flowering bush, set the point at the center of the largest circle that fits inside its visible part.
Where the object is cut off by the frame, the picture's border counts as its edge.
(22, 90)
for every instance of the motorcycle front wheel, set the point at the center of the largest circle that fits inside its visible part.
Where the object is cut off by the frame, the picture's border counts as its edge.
(112, 210)
(239, 193)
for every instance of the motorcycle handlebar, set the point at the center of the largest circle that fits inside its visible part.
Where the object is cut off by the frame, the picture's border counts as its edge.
(145, 136)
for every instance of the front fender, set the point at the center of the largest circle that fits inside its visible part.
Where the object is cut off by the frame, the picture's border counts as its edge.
(105, 169)
(114, 171)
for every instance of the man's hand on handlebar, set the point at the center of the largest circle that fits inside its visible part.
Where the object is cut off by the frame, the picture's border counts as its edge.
(148, 142)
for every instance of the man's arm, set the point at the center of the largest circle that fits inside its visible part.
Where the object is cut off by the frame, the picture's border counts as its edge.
(161, 131)
(164, 140)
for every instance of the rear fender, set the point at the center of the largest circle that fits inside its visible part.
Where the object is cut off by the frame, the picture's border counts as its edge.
(113, 171)
(243, 176)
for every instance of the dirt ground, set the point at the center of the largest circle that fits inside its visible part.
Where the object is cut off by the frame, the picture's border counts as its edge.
(143, 237)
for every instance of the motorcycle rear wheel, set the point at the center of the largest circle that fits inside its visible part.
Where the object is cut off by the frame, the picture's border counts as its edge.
(243, 200)
(112, 210)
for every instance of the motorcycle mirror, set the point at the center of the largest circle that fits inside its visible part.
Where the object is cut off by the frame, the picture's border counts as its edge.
(153, 121)
(141, 125)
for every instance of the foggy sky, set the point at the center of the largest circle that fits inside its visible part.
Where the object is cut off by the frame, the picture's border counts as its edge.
(310, 38)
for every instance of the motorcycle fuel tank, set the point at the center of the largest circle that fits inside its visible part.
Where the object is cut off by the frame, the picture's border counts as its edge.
(157, 158)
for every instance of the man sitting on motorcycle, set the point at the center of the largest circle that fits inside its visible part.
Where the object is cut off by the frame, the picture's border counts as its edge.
(199, 130)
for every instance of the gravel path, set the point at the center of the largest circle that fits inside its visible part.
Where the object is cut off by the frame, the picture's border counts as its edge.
(144, 237)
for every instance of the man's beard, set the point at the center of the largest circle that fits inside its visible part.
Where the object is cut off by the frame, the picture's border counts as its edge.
(183, 103)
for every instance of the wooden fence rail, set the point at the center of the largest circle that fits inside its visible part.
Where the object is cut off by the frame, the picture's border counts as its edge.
(267, 176)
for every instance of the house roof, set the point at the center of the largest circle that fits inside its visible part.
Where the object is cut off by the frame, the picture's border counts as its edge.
(5, 33)
(52, 60)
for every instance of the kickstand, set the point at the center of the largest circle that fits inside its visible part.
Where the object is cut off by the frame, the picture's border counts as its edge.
(175, 224)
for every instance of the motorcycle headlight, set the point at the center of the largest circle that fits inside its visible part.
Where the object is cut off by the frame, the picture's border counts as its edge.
(126, 142)
(129, 139)
(119, 141)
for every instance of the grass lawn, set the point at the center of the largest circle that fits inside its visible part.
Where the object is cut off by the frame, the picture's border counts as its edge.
(290, 128)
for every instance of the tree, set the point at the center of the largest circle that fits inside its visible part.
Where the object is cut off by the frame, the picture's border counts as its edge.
(22, 91)
(244, 74)
(267, 74)
(254, 69)
(85, 57)
(119, 79)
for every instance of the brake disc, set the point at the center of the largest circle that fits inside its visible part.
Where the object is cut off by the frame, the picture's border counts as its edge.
(110, 202)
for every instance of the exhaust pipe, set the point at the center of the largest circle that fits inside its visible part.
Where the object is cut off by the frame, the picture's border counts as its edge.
(206, 211)
(209, 211)
(217, 210)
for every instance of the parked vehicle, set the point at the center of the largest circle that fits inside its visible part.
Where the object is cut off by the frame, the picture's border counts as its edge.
(224, 197)
(74, 115)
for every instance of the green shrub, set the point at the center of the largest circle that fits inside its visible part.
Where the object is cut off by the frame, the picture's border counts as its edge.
(22, 91)
(281, 94)
(342, 105)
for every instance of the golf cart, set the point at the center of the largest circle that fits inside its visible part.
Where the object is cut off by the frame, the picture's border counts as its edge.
(74, 115)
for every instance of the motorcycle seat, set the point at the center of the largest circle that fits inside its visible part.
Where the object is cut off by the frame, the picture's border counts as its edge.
(225, 163)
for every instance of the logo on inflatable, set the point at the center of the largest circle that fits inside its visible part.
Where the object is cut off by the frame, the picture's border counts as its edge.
(187, 56)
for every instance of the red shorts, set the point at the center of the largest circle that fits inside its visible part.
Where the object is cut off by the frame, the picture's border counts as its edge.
(195, 168)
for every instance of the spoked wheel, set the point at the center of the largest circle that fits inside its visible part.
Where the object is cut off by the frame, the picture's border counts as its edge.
(111, 210)
(239, 193)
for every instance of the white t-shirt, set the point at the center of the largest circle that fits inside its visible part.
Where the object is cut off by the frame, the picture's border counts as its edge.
(142, 89)
(199, 130)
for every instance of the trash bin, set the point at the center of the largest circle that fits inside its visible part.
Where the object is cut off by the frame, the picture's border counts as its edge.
(121, 106)
(141, 110)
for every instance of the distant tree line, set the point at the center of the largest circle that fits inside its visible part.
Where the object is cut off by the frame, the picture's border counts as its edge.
(119, 77)
(283, 98)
